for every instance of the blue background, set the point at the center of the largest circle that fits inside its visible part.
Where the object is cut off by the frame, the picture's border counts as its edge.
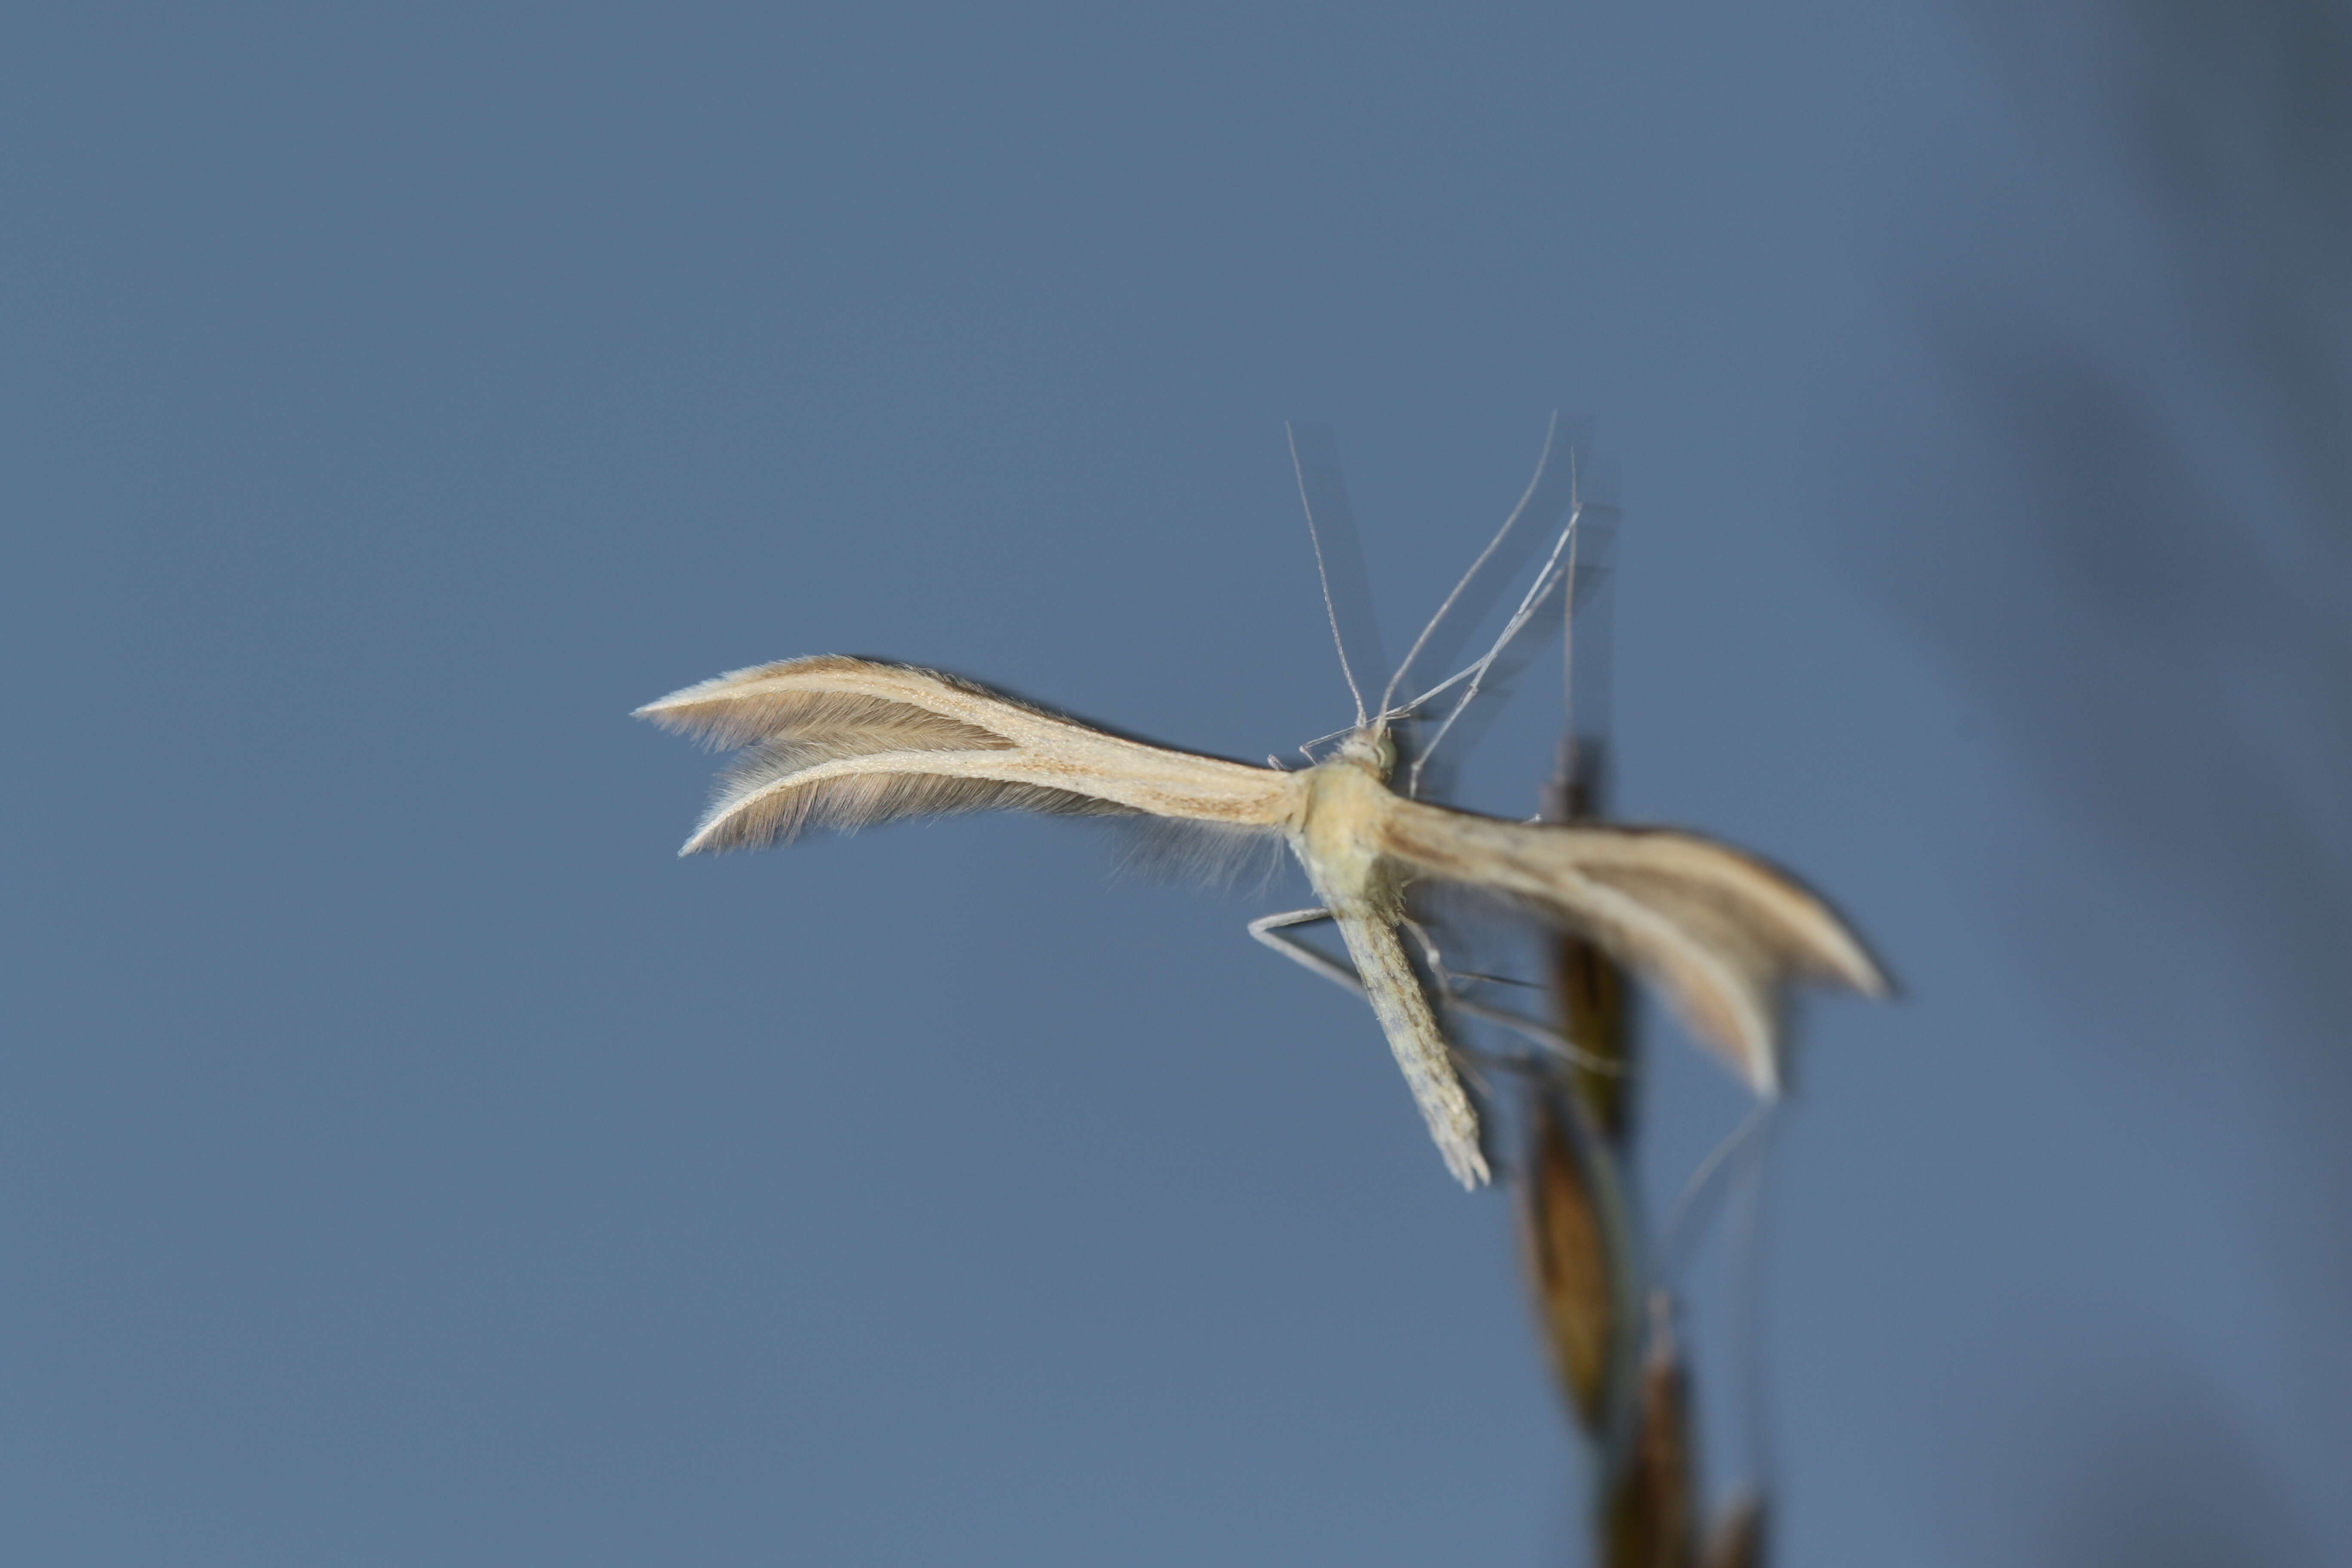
(404, 1159)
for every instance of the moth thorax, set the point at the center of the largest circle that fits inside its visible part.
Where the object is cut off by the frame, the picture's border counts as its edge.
(1368, 748)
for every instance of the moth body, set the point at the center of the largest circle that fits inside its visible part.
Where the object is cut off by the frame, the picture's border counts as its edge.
(1338, 841)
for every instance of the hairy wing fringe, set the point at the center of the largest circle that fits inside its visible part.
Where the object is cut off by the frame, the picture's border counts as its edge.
(844, 699)
(802, 717)
(863, 729)
(1716, 931)
(1241, 855)
(758, 804)
(1705, 881)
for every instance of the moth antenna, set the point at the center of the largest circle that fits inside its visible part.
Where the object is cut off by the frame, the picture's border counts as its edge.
(1476, 673)
(1680, 1234)
(1747, 1280)
(1568, 617)
(1341, 553)
(1584, 640)
(1527, 499)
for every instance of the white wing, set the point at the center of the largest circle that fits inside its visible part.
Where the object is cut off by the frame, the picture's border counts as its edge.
(1719, 931)
(843, 743)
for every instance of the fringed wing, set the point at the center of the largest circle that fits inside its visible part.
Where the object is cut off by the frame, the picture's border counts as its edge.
(843, 742)
(1716, 931)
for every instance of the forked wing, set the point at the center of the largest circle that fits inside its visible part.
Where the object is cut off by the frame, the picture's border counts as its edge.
(1716, 931)
(843, 743)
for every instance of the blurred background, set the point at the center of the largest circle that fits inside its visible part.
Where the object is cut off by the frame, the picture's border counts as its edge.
(404, 1159)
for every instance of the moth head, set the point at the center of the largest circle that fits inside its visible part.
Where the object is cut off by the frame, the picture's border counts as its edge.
(1372, 748)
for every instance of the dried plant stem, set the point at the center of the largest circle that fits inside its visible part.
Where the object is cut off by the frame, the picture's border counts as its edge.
(1609, 1329)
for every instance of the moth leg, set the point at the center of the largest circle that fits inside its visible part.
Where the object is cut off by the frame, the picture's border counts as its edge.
(1263, 928)
(1550, 1040)
(1510, 980)
(1429, 951)
(1449, 992)
(1447, 977)
(1266, 929)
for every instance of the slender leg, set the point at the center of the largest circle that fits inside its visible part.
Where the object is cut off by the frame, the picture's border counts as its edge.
(1429, 952)
(1551, 1040)
(1447, 975)
(1266, 928)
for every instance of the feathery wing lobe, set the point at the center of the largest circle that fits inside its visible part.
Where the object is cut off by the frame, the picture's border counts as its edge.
(1716, 931)
(843, 743)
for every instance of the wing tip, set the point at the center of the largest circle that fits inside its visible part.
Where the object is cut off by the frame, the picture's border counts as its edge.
(1882, 985)
(1753, 1055)
(1855, 967)
(675, 713)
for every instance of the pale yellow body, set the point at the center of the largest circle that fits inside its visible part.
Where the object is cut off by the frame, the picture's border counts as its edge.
(1338, 839)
